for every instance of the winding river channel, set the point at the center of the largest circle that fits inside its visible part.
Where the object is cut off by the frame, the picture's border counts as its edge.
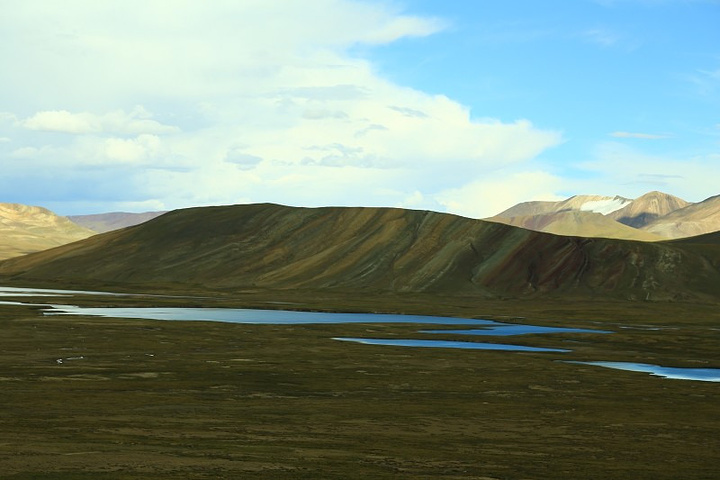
(470, 327)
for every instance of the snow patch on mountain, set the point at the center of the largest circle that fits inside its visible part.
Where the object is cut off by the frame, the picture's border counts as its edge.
(605, 206)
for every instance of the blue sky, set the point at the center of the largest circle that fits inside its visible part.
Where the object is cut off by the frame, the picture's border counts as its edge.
(461, 106)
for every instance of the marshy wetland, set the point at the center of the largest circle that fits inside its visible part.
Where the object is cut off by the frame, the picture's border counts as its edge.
(86, 396)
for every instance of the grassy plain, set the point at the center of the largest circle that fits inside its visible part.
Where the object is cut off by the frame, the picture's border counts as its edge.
(192, 400)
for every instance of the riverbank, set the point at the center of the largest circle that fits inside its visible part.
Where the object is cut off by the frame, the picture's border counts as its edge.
(139, 398)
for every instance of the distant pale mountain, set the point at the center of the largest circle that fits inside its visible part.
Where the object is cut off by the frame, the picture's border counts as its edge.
(651, 217)
(647, 208)
(694, 219)
(106, 222)
(25, 229)
(582, 203)
(578, 223)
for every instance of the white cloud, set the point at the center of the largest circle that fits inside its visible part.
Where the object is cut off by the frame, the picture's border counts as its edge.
(242, 101)
(489, 196)
(164, 48)
(415, 200)
(132, 150)
(404, 26)
(135, 122)
(89, 151)
(644, 136)
(62, 121)
(692, 177)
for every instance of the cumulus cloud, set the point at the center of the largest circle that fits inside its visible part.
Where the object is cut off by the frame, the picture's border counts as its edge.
(240, 101)
(62, 121)
(132, 150)
(143, 151)
(137, 121)
(491, 195)
(92, 55)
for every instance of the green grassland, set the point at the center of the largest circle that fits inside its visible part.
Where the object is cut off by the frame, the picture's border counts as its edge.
(187, 400)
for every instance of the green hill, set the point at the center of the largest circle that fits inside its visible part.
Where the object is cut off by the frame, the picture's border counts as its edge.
(373, 249)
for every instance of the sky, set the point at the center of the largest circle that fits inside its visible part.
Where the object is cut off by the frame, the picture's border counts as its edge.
(459, 106)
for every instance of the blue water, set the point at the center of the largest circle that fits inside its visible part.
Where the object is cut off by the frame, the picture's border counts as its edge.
(286, 317)
(447, 344)
(267, 317)
(506, 330)
(700, 374)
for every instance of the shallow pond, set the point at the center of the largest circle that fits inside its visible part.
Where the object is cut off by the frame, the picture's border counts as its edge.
(507, 329)
(448, 344)
(289, 317)
(268, 317)
(700, 374)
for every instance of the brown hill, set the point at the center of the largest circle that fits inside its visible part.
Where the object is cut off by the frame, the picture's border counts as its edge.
(372, 249)
(643, 210)
(578, 223)
(657, 213)
(695, 219)
(25, 229)
(576, 203)
(106, 222)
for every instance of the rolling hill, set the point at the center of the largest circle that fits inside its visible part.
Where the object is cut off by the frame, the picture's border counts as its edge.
(106, 222)
(25, 229)
(373, 250)
(578, 223)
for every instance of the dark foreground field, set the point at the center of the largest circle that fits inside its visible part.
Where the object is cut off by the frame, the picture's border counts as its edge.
(184, 400)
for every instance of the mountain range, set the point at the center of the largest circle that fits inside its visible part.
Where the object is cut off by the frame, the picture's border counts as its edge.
(694, 219)
(25, 229)
(375, 250)
(652, 217)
